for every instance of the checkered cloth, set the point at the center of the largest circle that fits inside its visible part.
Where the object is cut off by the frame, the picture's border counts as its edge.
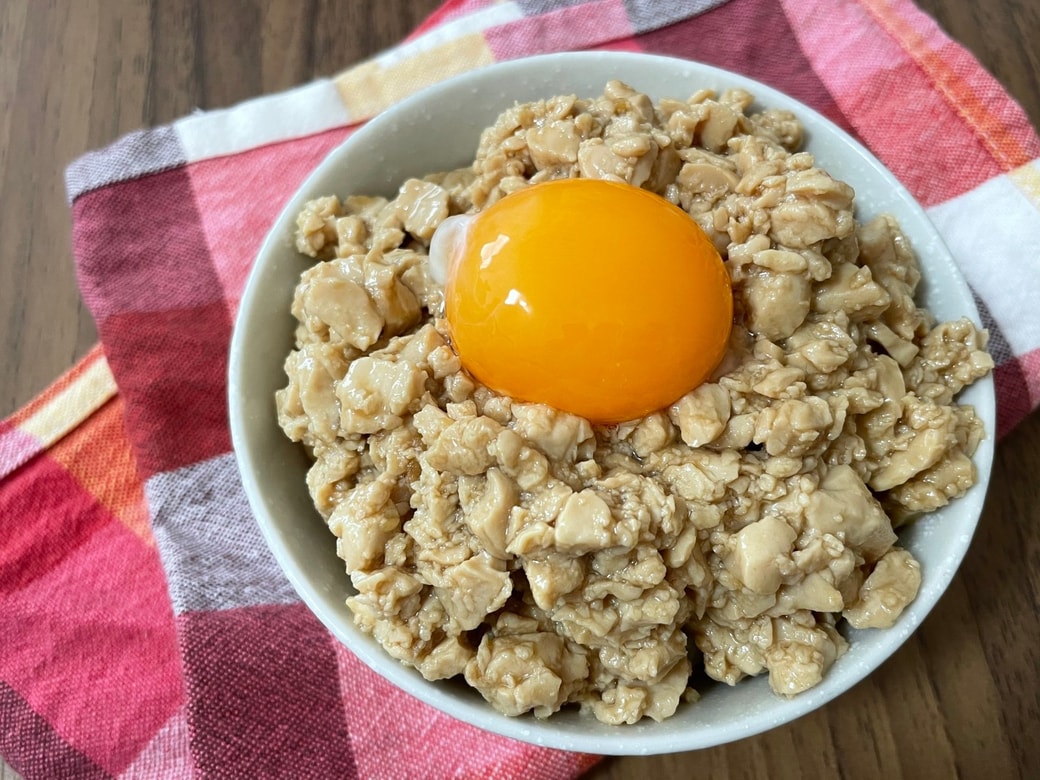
(146, 630)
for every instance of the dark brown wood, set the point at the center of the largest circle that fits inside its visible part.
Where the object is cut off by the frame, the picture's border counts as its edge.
(77, 75)
(962, 698)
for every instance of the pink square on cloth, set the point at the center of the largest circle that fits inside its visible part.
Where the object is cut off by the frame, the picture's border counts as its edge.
(234, 226)
(171, 366)
(91, 651)
(265, 703)
(892, 114)
(923, 130)
(565, 29)
(139, 248)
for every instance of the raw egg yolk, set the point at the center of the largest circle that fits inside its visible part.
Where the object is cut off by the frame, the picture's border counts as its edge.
(594, 297)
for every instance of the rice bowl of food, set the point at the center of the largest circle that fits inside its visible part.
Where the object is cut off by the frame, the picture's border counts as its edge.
(543, 476)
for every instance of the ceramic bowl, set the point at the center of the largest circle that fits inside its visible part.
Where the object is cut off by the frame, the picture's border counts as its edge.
(436, 130)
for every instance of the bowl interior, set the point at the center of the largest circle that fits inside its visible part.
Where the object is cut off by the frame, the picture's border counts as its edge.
(437, 130)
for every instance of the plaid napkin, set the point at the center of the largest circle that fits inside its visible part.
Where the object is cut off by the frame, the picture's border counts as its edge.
(146, 630)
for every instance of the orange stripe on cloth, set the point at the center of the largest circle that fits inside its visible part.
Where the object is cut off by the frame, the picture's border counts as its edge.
(97, 454)
(1027, 179)
(71, 399)
(995, 134)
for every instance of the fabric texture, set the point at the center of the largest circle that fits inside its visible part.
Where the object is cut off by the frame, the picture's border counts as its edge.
(147, 630)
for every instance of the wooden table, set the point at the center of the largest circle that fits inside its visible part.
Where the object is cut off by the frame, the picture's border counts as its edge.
(961, 698)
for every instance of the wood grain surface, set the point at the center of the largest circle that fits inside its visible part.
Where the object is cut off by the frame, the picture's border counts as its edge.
(960, 699)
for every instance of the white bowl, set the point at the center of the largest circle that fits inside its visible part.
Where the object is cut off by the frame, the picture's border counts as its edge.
(436, 130)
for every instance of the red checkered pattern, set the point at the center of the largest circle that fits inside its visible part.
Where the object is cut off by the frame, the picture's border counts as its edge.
(148, 632)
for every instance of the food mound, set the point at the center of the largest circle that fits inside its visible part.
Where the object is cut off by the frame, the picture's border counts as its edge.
(552, 562)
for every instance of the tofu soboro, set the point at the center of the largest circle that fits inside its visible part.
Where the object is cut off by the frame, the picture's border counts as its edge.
(554, 563)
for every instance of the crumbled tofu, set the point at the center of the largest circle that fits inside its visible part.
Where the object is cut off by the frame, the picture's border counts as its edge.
(755, 550)
(552, 563)
(886, 592)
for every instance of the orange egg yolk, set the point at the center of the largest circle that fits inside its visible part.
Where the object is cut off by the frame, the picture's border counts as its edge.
(597, 298)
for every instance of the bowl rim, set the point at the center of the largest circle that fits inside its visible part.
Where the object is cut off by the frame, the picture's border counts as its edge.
(641, 738)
